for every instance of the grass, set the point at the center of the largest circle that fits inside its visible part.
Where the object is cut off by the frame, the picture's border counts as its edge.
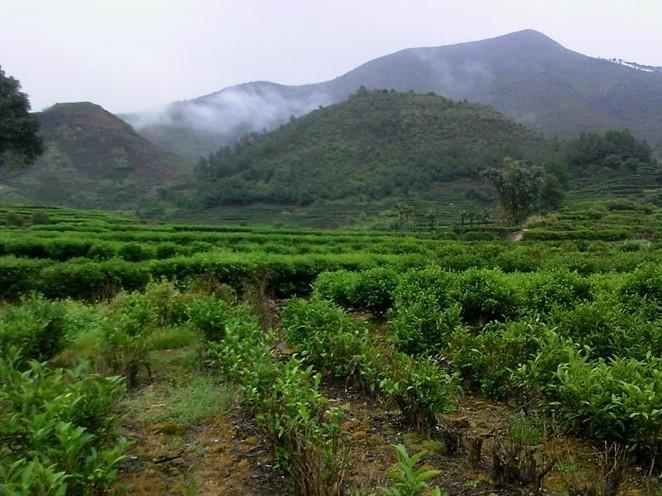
(172, 338)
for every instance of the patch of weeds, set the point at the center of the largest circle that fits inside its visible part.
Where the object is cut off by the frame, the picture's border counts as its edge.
(528, 430)
(204, 397)
(170, 338)
(189, 402)
(84, 349)
(177, 364)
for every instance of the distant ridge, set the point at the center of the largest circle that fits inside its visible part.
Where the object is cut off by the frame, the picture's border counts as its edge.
(93, 159)
(526, 75)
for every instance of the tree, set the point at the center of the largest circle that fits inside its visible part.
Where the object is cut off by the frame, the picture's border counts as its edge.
(518, 188)
(19, 141)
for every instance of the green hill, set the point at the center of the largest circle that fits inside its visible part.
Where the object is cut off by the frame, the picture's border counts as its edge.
(376, 149)
(92, 159)
(525, 75)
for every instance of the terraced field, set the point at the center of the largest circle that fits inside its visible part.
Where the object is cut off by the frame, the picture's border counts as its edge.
(152, 358)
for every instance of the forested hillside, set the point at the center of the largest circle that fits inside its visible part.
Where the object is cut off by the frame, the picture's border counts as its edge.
(376, 145)
(92, 159)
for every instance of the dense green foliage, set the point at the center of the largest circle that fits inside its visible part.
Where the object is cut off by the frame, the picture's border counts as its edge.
(377, 144)
(613, 150)
(569, 329)
(19, 139)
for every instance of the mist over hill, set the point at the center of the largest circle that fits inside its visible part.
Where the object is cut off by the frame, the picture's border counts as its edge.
(377, 145)
(92, 159)
(525, 75)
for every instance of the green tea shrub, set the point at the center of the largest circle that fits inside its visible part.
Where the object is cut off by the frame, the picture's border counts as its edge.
(643, 288)
(489, 358)
(430, 282)
(39, 328)
(619, 400)
(369, 289)
(209, 314)
(339, 287)
(101, 250)
(126, 337)
(135, 252)
(606, 329)
(556, 288)
(287, 404)
(420, 389)
(517, 260)
(328, 337)
(374, 288)
(12, 219)
(486, 295)
(90, 280)
(19, 276)
(165, 302)
(67, 249)
(166, 250)
(423, 327)
(58, 430)
(334, 342)
(40, 218)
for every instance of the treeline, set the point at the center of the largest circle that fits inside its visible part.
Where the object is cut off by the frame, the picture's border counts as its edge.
(612, 150)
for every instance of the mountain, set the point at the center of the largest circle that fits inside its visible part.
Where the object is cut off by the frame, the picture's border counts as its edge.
(92, 159)
(375, 149)
(525, 75)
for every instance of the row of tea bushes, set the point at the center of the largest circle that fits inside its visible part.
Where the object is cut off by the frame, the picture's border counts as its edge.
(329, 339)
(586, 346)
(284, 397)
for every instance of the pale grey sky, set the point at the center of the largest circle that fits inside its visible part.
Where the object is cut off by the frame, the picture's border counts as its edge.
(130, 55)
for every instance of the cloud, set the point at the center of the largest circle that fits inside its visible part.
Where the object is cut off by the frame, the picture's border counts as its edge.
(236, 110)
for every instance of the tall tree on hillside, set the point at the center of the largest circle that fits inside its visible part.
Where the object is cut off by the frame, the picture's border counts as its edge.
(19, 141)
(518, 188)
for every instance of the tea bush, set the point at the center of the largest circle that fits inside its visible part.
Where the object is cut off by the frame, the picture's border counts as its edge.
(331, 340)
(486, 295)
(57, 429)
(423, 327)
(619, 400)
(39, 328)
(286, 402)
(557, 288)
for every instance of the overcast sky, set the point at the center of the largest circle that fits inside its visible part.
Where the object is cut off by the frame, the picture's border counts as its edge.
(132, 55)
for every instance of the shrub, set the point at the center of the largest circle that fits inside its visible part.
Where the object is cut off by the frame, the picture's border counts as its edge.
(327, 337)
(420, 389)
(286, 402)
(606, 329)
(126, 335)
(38, 327)
(557, 288)
(134, 252)
(374, 288)
(423, 326)
(643, 288)
(489, 358)
(485, 295)
(619, 400)
(40, 218)
(209, 314)
(431, 282)
(58, 429)
(339, 287)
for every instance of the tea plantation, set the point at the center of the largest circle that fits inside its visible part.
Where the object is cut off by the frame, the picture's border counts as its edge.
(150, 358)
